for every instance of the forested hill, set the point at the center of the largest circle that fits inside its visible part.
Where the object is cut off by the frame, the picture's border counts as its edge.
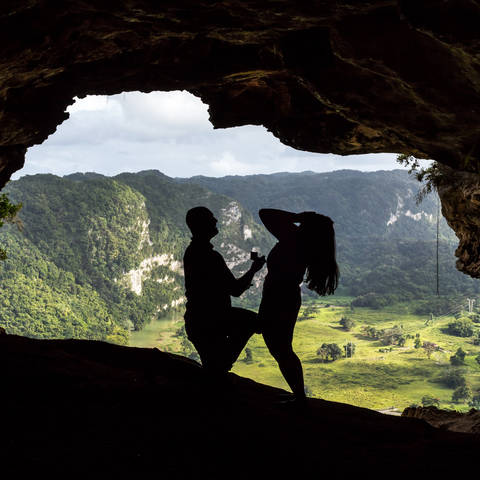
(98, 256)
(362, 204)
(386, 242)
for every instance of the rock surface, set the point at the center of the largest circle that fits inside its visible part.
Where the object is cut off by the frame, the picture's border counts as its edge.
(453, 421)
(460, 196)
(344, 77)
(85, 409)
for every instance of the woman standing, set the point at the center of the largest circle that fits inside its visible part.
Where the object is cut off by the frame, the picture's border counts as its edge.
(307, 248)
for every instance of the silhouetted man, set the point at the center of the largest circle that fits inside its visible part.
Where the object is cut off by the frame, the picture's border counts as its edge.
(218, 331)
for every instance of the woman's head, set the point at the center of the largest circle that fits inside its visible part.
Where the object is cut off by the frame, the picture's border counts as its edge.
(318, 238)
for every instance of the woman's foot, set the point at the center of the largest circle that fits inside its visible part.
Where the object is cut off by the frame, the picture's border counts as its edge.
(293, 401)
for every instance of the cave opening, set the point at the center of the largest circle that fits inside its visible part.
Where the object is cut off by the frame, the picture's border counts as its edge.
(344, 77)
(171, 132)
(109, 224)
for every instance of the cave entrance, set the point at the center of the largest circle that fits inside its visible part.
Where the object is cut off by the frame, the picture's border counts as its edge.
(100, 254)
(171, 132)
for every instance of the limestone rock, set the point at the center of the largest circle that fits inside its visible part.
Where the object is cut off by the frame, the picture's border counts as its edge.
(453, 421)
(460, 196)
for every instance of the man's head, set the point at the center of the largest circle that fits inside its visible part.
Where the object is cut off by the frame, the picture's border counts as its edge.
(201, 222)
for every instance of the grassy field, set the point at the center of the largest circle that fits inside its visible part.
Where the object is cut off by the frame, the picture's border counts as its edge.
(371, 378)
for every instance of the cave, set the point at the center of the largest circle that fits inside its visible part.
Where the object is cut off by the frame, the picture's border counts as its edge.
(342, 77)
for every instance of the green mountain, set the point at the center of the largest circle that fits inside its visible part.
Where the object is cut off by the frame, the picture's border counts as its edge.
(386, 243)
(98, 256)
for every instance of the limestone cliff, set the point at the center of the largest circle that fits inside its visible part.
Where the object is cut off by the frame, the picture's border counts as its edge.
(460, 196)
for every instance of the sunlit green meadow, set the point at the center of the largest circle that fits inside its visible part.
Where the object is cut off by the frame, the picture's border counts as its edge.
(371, 378)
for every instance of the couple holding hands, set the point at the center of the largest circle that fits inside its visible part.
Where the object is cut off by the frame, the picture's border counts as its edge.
(305, 251)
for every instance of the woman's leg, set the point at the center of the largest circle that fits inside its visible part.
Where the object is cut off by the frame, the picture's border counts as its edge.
(292, 371)
(279, 344)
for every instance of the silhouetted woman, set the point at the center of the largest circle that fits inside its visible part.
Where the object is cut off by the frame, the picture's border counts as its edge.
(307, 248)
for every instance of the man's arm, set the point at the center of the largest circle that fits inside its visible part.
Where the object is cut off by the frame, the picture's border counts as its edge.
(243, 283)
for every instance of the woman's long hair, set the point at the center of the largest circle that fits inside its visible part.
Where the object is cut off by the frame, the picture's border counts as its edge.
(318, 239)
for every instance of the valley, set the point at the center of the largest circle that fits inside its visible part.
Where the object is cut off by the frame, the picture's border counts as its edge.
(100, 258)
(377, 376)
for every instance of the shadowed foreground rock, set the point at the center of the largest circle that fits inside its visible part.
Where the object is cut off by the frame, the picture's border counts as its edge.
(454, 421)
(78, 408)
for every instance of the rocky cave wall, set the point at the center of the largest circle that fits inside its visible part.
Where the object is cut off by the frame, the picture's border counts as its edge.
(343, 76)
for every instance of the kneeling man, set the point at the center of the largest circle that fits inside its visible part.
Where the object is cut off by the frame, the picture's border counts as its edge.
(218, 331)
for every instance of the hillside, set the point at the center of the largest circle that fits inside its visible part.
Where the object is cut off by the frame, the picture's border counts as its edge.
(98, 256)
(386, 242)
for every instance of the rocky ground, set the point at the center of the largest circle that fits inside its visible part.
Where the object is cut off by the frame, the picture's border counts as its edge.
(76, 408)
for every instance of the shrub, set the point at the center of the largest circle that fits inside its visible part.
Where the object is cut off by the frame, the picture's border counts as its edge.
(462, 393)
(391, 336)
(370, 332)
(429, 401)
(462, 327)
(248, 356)
(372, 300)
(458, 358)
(453, 378)
(475, 401)
(329, 352)
(475, 317)
(347, 323)
(436, 305)
(308, 312)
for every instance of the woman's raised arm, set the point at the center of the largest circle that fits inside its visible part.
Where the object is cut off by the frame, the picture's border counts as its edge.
(279, 223)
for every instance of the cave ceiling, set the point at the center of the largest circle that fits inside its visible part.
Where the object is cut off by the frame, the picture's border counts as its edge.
(344, 76)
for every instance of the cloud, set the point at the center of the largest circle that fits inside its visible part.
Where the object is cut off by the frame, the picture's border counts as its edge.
(170, 131)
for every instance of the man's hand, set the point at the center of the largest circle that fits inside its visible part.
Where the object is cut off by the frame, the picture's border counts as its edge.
(257, 264)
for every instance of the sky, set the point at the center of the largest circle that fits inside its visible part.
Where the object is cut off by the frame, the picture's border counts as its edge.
(170, 132)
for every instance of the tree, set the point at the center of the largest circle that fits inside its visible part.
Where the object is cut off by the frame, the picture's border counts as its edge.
(8, 214)
(391, 336)
(248, 356)
(453, 378)
(329, 352)
(349, 349)
(462, 327)
(308, 312)
(429, 401)
(475, 317)
(370, 332)
(462, 393)
(477, 359)
(458, 358)
(347, 323)
(429, 348)
(475, 401)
